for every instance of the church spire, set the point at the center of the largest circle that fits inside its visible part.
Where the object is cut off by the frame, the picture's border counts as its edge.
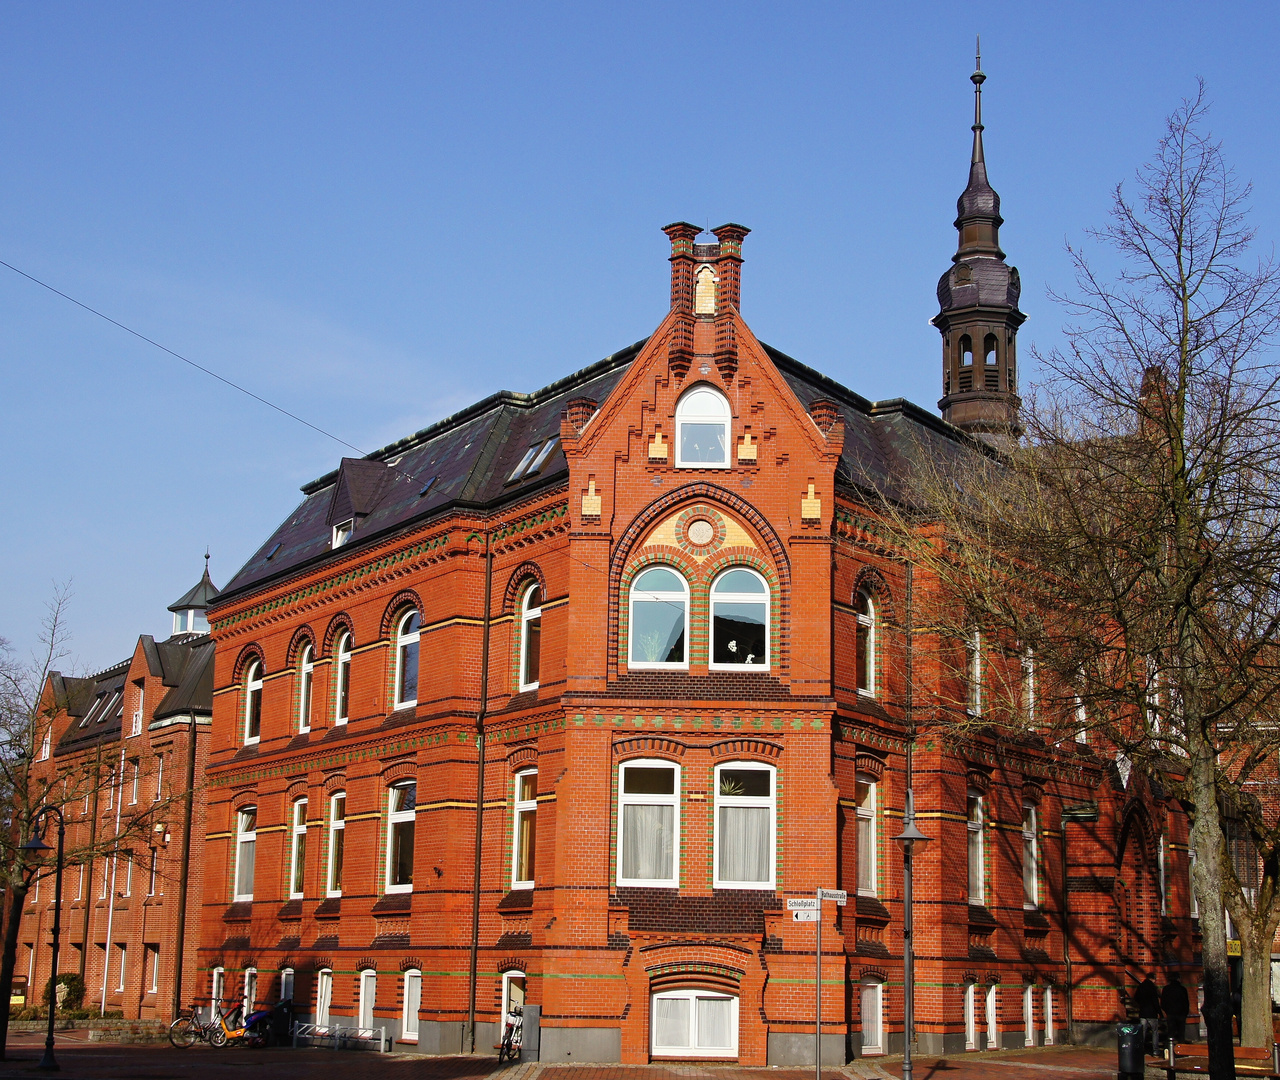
(978, 302)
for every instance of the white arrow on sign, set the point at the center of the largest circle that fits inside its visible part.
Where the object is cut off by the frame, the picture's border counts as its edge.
(807, 916)
(803, 903)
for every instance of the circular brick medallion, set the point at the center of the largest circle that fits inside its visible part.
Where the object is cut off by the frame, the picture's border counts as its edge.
(701, 532)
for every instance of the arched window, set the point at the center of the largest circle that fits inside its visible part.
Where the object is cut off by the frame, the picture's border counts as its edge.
(989, 350)
(298, 850)
(324, 995)
(412, 1005)
(872, 1008)
(343, 679)
(739, 620)
(702, 429)
(306, 680)
(337, 842)
(402, 804)
(530, 637)
(286, 984)
(970, 1016)
(250, 990)
(744, 826)
(704, 291)
(966, 351)
(246, 842)
(408, 633)
(865, 659)
(253, 701)
(659, 619)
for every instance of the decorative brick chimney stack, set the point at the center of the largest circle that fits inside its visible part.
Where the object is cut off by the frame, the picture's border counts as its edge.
(682, 235)
(729, 263)
(706, 287)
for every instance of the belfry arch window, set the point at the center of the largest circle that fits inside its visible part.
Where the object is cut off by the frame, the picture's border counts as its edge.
(989, 350)
(704, 291)
(530, 636)
(865, 653)
(408, 635)
(659, 619)
(702, 429)
(740, 620)
(966, 351)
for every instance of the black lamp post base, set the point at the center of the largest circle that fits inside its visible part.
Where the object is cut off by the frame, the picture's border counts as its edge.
(48, 1063)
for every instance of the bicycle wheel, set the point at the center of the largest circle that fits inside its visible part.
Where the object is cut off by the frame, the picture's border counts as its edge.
(256, 1035)
(182, 1032)
(218, 1036)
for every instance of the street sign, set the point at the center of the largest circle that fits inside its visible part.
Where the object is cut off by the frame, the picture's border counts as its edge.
(803, 903)
(838, 895)
(807, 916)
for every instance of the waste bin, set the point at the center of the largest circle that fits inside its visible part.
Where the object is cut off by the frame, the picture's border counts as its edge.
(1130, 1050)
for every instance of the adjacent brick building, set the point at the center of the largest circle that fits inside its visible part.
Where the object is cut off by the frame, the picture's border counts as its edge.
(122, 756)
(560, 699)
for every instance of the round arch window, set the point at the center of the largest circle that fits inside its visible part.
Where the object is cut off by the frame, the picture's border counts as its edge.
(659, 619)
(740, 620)
(702, 429)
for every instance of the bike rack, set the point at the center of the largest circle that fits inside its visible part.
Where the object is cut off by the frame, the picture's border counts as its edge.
(341, 1035)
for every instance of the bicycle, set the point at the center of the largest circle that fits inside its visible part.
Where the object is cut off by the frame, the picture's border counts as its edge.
(512, 1035)
(221, 1027)
(188, 1029)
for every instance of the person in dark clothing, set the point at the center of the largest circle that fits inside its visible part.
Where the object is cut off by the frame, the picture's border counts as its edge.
(1176, 1004)
(1147, 1000)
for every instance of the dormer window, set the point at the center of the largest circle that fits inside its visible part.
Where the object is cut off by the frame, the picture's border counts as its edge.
(702, 429)
(534, 460)
(342, 532)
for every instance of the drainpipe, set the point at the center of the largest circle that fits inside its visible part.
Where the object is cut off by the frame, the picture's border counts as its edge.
(1083, 812)
(118, 795)
(180, 942)
(480, 719)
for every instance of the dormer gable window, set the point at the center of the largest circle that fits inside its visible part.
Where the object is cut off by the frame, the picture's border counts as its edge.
(342, 532)
(702, 429)
(534, 460)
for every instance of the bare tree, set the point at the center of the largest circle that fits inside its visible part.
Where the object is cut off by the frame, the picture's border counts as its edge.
(1123, 561)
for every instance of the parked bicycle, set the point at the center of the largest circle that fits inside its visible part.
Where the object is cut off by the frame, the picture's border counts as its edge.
(512, 1034)
(222, 1027)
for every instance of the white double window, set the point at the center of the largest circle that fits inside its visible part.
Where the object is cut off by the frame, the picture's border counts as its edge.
(246, 843)
(1048, 1016)
(974, 820)
(1030, 858)
(530, 637)
(253, 702)
(740, 621)
(402, 803)
(744, 826)
(659, 619)
(408, 639)
(524, 830)
(342, 679)
(298, 850)
(648, 823)
(694, 1023)
(702, 429)
(872, 1009)
(1028, 1015)
(865, 817)
(306, 681)
(337, 842)
(970, 1016)
(993, 1018)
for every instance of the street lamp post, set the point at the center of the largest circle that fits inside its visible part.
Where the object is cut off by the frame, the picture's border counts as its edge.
(35, 844)
(910, 839)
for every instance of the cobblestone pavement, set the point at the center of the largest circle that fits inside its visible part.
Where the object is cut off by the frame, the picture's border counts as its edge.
(79, 1058)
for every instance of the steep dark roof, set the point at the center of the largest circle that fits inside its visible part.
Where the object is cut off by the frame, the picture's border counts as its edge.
(101, 708)
(200, 595)
(192, 670)
(466, 460)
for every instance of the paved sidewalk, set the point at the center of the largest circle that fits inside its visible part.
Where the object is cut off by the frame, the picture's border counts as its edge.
(109, 1061)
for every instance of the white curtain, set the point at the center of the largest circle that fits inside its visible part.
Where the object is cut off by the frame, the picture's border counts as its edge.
(715, 1022)
(744, 843)
(670, 1021)
(368, 991)
(648, 834)
(244, 868)
(412, 1002)
(871, 1016)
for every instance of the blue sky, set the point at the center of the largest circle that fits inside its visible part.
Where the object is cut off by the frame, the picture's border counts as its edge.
(375, 214)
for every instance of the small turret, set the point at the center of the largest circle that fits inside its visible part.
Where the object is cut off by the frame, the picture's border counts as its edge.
(188, 610)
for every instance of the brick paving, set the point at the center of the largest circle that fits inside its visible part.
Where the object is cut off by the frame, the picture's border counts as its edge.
(105, 1061)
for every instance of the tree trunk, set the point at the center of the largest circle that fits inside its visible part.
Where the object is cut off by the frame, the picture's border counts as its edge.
(1210, 852)
(1255, 986)
(17, 894)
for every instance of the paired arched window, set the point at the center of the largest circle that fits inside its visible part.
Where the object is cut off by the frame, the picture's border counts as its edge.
(530, 636)
(966, 351)
(865, 658)
(306, 682)
(253, 701)
(739, 620)
(408, 634)
(702, 429)
(342, 681)
(989, 347)
(659, 619)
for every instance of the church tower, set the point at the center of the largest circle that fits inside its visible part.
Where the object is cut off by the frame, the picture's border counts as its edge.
(979, 316)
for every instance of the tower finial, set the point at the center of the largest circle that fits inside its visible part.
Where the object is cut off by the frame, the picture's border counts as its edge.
(977, 78)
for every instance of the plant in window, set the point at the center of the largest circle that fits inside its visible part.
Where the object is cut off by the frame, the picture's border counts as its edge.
(739, 620)
(744, 826)
(659, 619)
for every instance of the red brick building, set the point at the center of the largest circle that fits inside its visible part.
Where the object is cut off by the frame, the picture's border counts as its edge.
(123, 759)
(560, 699)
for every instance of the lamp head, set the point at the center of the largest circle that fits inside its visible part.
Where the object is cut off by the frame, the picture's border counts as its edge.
(911, 838)
(36, 846)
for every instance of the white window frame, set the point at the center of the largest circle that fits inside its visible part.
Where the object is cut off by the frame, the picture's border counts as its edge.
(406, 639)
(1194, 906)
(508, 978)
(991, 1014)
(324, 996)
(868, 813)
(974, 672)
(527, 616)
(151, 875)
(245, 836)
(297, 847)
(342, 533)
(746, 800)
(672, 800)
(152, 958)
(1029, 687)
(135, 767)
(368, 998)
(865, 639)
(724, 416)
(217, 986)
(342, 675)
(80, 883)
(252, 686)
(135, 727)
(286, 983)
(693, 1050)
(394, 818)
(159, 777)
(337, 838)
(46, 743)
(871, 989)
(122, 950)
(248, 992)
(1031, 843)
(971, 1016)
(662, 597)
(306, 686)
(410, 1022)
(1047, 999)
(976, 829)
(764, 598)
(521, 807)
(1028, 1015)
(128, 875)
(1164, 889)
